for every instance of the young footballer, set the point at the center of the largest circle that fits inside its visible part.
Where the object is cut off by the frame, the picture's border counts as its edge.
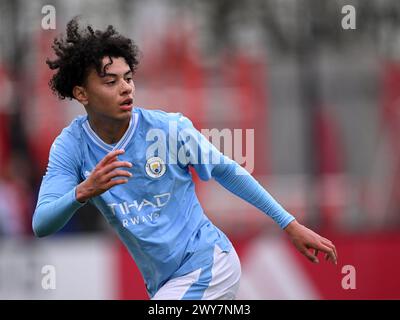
(133, 165)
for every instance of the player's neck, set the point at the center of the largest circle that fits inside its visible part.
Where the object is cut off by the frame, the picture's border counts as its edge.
(110, 131)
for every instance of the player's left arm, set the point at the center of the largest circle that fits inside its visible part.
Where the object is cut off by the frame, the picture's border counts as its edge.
(237, 180)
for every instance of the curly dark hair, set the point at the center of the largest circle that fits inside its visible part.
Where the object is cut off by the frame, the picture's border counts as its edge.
(82, 50)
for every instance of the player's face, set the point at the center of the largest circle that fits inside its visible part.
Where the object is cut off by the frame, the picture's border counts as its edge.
(110, 96)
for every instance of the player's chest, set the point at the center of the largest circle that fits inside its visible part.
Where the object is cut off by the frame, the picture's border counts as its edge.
(147, 170)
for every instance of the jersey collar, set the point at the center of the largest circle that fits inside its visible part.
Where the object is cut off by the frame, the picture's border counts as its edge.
(121, 144)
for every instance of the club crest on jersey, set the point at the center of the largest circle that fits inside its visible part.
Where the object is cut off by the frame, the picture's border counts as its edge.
(155, 167)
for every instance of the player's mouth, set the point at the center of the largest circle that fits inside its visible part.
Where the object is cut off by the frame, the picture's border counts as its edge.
(126, 105)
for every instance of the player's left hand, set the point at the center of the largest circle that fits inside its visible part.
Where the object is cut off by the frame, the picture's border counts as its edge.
(305, 239)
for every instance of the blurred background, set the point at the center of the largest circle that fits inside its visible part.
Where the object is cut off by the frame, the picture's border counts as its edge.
(324, 104)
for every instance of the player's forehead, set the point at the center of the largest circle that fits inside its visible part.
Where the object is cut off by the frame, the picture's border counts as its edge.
(111, 66)
(119, 67)
(114, 65)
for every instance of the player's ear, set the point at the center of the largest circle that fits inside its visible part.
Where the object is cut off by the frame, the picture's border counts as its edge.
(80, 94)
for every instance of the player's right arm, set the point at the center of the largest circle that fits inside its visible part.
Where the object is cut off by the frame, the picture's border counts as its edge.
(61, 192)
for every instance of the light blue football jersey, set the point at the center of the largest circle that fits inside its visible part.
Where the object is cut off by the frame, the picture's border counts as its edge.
(156, 213)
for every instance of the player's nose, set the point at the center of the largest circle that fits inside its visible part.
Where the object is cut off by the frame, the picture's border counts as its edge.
(127, 88)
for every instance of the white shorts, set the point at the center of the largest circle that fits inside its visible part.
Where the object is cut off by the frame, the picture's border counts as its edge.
(222, 284)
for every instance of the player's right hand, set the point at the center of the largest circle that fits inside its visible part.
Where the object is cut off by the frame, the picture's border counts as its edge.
(102, 177)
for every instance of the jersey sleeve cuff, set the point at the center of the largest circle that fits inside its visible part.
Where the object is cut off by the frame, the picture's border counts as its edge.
(75, 203)
(285, 222)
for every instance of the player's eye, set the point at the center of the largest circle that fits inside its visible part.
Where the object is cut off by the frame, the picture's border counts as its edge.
(110, 82)
(129, 79)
